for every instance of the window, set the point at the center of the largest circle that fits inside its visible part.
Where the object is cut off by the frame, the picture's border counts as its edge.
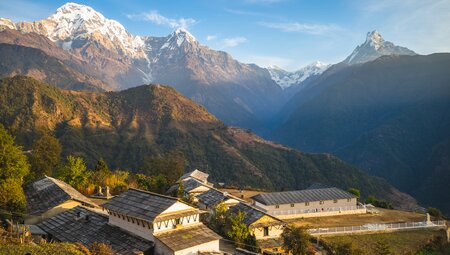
(335, 201)
(349, 199)
(266, 231)
(277, 206)
(306, 203)
(321, 202)
(292, 205)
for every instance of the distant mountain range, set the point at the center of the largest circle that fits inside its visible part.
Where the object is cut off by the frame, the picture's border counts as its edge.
(240, 94)
(111, 58)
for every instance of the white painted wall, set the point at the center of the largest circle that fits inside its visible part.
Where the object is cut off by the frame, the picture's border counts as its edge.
(178, 206)
(139, 230)
(311, 207)
(184, 221)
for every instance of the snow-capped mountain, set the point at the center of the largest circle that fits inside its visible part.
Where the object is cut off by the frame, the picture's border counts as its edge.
(72, 24)
(237, 93)
(374, 47)
(6, 23)
(287, 79)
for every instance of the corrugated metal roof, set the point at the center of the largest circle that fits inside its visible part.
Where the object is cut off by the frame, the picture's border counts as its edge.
(49, 192)
(140, 204)
(68, 227)
(301, 196)
(187, 237)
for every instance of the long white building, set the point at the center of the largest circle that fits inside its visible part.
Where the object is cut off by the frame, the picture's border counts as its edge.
(312, 202)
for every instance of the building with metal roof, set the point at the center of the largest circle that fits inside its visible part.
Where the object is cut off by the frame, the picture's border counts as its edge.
(48, 196)
(86, 226)
(313, 202)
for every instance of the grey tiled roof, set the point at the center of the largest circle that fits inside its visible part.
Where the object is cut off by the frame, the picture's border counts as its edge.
(187, 237)
(49, 192)
(251, 213)
(211, 197)
(140, 204)
(191, 184)
(197, 174)
(68, 227)
(188, 185)
(301, 196)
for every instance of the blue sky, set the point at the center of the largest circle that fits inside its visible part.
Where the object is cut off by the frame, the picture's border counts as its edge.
(286, 33)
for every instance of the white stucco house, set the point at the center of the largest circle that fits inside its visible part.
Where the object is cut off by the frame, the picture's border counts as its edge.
(312, 202)
(172, 225)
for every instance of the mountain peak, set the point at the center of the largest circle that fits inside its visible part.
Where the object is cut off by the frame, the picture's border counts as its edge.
(6, 23)
(182, 33)
(77, 22)
(374, 39)
(374, 47)
(287, 79)
(177, 38)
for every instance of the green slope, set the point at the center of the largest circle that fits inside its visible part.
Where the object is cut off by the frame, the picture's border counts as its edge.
(126, 127)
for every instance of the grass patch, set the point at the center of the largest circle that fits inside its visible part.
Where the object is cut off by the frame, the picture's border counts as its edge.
(402, 242)
(44, 249)
(383, 216)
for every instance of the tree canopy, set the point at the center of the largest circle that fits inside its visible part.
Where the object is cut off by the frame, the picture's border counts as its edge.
(45, 156)
(13, 168)
(296, 240)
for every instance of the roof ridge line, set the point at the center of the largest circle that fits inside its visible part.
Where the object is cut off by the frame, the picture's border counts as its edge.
(156, 194)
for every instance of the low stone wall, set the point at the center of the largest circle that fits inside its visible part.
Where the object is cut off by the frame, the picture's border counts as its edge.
(322, 214)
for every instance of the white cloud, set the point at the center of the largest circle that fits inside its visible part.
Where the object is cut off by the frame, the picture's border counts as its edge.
(155, 17)
(234, 41)
(211, 37)
(313, 29)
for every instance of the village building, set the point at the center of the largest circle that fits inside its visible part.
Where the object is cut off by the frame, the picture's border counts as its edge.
(48, 196)
(316, 201)
(87, 226)
(267, 229)
(213, 197)
(196, 174)
(193, 184)
(172, 225)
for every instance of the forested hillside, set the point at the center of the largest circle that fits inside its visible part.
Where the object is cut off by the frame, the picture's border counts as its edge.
(129, 128)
